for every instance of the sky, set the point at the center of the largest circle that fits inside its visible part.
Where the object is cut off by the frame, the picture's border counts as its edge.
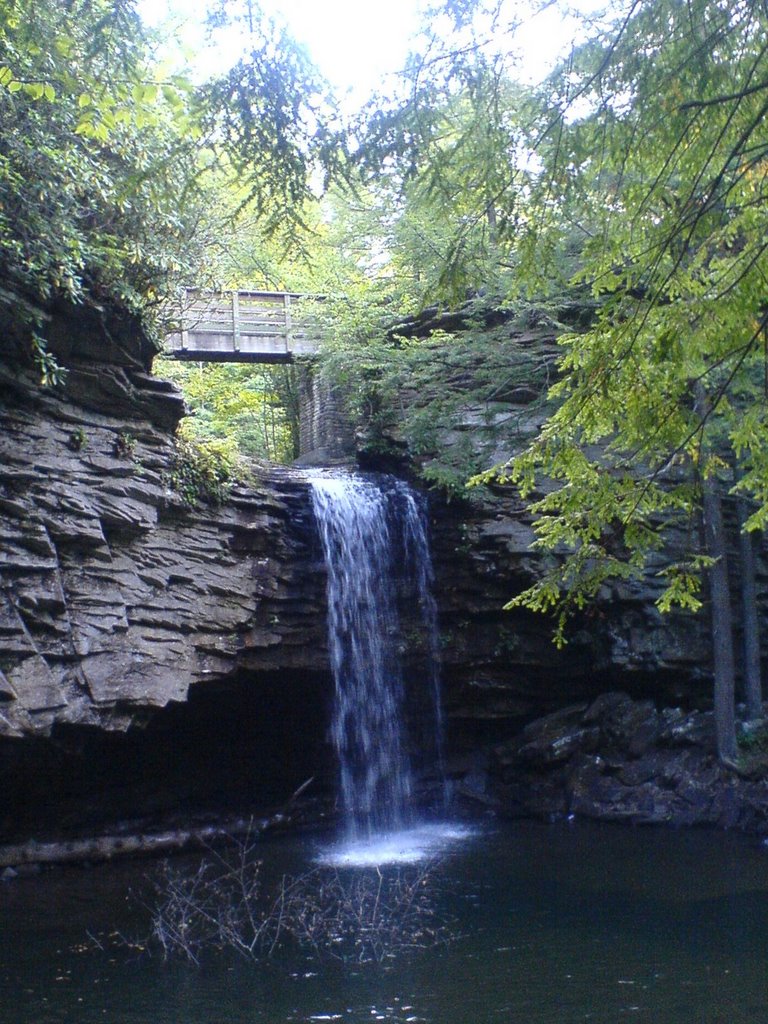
(356, 43)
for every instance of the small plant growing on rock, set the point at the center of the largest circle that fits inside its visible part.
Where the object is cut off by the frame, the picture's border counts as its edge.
(77, 440)
(203, 471)
(124, 445)
(52, 375)
(753, 748)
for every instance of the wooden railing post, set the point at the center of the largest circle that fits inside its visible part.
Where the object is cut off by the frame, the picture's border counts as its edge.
(183, 299)
(236, 320)
(288, 323)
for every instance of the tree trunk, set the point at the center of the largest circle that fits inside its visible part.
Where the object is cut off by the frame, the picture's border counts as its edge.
(720, 601)
(108, 847)
(491, 218)
(722, 631)
(753, 689)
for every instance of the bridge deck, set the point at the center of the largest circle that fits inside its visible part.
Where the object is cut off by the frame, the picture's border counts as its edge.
(244, 327)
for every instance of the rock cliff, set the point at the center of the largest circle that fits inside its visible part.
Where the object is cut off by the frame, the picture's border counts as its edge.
(116, 597)
(118, 602)
(464, 404)
(616, 759)
(156, 656)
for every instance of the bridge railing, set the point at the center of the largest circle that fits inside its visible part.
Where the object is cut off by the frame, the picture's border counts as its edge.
(244, 326)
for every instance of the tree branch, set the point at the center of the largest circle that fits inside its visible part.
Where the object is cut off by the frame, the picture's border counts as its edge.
(726, 97)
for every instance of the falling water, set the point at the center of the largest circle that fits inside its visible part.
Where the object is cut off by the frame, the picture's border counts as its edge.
(419, 559)
(366, 528)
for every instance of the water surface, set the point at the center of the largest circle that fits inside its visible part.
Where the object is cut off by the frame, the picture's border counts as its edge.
(556, 925)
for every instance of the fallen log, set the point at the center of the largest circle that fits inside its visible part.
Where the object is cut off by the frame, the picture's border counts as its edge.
(106, 847)
(148, 843)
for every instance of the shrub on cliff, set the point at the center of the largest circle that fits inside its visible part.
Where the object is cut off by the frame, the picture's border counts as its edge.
(203, 471)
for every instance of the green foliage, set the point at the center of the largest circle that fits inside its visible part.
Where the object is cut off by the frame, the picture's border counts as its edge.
(77, 440)
(752, 750)
(665, 163)
(120, 180)
(274, 117)
(51, 374)
(250, 407)
(124, 445)
(446, 397)
(89, 199)
(639, 172)
(755, 741)
(452, 151)
(203, 471)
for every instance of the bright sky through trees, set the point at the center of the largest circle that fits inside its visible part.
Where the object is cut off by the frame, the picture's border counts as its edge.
(354, 43)
(357, 43)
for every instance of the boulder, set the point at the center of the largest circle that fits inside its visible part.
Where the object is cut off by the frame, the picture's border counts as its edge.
(622, 760)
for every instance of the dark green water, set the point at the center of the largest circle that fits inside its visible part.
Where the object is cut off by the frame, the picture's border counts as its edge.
(559, 924)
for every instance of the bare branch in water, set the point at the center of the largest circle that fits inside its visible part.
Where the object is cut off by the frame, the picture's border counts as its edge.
(359, 915)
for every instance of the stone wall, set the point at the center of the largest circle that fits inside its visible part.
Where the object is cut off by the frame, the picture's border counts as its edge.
(326, 435)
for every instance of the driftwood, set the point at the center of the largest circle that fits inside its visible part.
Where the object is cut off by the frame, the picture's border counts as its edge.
(108, 847)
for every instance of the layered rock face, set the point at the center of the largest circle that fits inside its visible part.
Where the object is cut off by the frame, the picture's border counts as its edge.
(501, 667)
(149, 652)
(115, 596)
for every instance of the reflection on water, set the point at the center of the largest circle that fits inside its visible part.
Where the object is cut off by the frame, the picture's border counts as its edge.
(557, 925)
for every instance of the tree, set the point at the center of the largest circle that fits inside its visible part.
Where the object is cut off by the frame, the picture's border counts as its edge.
(247, 407)
(112, 171)
(669, 163)
(272, 116)
(87, 184)
(640, 175)
(451, 154)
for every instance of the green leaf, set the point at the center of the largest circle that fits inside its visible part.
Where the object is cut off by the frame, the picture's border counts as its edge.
(172, 96)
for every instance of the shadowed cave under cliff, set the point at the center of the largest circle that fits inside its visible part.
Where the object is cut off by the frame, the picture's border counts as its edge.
(244, 746)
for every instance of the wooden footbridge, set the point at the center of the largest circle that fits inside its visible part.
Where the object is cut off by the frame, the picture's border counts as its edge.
(244, 327)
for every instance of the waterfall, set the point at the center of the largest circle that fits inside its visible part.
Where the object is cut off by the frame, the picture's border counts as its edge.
(419, 558)
(375, 545)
